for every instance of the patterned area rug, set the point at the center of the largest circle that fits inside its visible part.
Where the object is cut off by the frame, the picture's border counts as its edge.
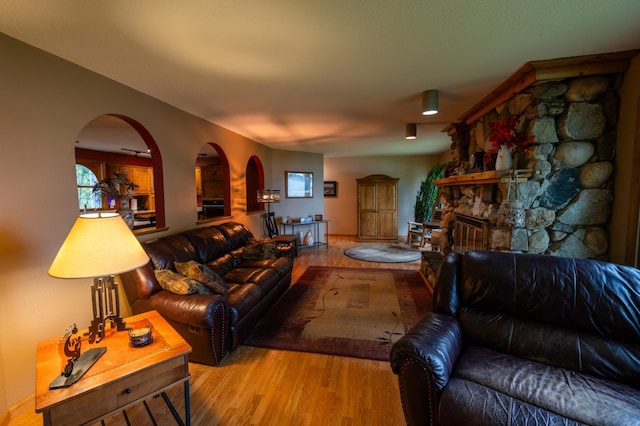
(383, 253)
(345, 311)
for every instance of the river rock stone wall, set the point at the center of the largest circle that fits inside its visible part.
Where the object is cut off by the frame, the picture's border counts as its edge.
(567, 200)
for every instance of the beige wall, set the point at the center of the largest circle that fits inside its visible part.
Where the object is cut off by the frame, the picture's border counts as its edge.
(624, 185)
(45, 102)
(342, 210)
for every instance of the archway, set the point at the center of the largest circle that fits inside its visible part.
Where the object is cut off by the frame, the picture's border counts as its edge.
(254, 180)
(213, 192)
(115, 142)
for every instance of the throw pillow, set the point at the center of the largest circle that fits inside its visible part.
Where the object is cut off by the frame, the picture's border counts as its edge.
(179, 284)
(259, 250)
(203, 274)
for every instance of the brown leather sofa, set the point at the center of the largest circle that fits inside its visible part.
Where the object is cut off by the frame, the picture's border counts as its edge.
(212, 324)
(518, 339)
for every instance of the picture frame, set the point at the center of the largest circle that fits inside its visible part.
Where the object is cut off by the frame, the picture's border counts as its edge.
(330, 188)
(317, 217)
(298, 184)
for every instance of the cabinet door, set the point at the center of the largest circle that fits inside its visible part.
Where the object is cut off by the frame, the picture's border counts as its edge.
(142, 179)
(212, 182)
(367, 215)
(139, 176)
(198, 181)
(387, 211)
(377, 208)
(218, 174)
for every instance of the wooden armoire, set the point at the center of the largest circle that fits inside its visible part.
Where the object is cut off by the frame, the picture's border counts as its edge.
(378, 208)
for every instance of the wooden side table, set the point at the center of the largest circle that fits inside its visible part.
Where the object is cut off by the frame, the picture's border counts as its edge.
(121, 377)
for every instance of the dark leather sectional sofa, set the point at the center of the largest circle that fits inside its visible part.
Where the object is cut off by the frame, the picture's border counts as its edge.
(212, 324)
(518, 339)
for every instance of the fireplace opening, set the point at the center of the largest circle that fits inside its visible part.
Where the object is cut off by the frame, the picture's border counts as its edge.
(470, 233)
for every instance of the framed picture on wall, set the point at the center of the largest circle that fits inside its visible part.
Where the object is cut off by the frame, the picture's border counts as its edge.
(330, 188)
(298, 184)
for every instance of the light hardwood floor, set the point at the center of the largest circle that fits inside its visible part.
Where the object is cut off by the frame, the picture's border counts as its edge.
(256, 386)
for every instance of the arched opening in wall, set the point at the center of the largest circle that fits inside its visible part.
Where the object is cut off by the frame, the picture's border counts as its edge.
(114, 143)
(254, 180)
(213, 194)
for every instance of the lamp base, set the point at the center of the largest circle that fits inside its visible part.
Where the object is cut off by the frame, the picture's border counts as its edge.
(106, 308)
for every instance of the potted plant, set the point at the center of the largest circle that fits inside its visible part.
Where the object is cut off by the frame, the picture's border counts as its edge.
(426, 197)
(120, 188)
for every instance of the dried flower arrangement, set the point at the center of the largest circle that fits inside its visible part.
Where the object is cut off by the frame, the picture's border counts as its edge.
(503, 133)
(119, 187)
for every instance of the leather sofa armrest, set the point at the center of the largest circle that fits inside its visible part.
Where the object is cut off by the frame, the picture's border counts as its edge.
(434, 343)
(198, 310)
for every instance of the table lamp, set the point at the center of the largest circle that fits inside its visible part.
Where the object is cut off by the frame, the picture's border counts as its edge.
(99, 246)
(268, 196)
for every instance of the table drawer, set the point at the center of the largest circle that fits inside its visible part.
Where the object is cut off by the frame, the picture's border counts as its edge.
(114, 396)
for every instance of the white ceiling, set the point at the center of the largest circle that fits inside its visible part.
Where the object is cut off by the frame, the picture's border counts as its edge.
(341, 77)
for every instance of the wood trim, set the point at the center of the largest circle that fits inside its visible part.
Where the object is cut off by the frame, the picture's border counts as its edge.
(632, 247)
(18, 409)
(482, 178)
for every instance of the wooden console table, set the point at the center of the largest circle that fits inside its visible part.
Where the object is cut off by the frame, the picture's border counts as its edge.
(121, 377)
(316, 229)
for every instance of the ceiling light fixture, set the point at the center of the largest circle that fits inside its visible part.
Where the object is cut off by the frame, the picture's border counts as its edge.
(410, 131)
(430, 102)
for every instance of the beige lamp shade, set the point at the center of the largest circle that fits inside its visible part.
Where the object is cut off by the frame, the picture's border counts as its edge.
(97, 245)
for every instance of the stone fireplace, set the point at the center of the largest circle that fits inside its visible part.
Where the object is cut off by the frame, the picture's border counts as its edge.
(565, 185)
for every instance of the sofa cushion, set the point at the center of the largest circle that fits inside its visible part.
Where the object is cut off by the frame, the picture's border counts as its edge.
(209, 242)
(469, 403)
(236, 233)
(241, 300)
(178, 283)
(164, 252)
(266, 279)
(554, 290)
(204, 274)
(502, 300)
(282, 265)
(527, 391)
(549, 344)
(222, 265)
(260, 249)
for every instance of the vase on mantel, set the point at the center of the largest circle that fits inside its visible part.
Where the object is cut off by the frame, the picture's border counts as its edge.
(489, 161)
(504, 160)
(124, 210)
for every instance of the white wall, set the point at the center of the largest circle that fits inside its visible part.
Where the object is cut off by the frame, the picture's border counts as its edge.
(45, 103)
(342, 210)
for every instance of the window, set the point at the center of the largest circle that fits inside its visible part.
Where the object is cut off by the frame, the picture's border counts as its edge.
(86, 179)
